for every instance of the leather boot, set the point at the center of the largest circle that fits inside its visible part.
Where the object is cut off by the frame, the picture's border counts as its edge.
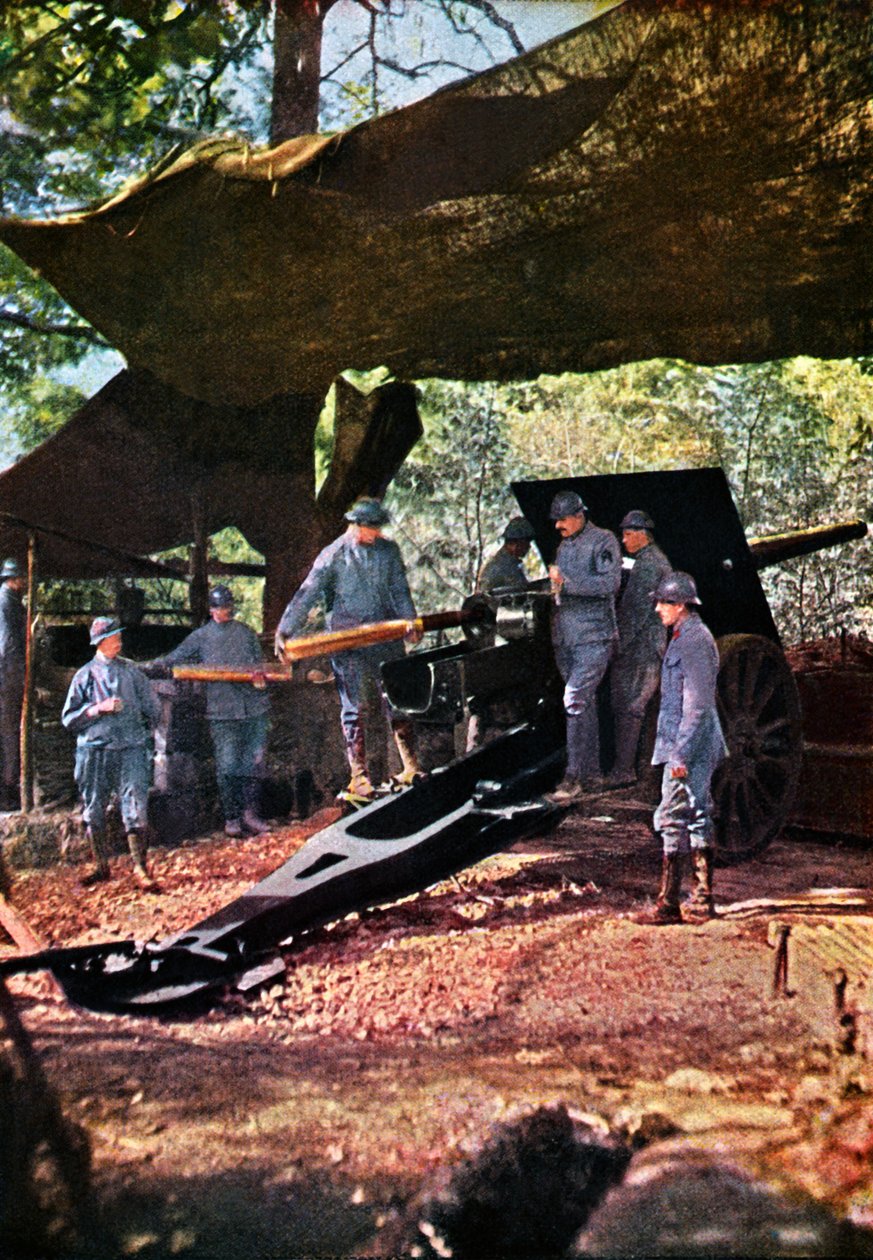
(138, 846)
(251, 819)
(404, 738)
(666, 908)
(101, 871)
(583, 749)
(359, 785)
(627, 739)
(700, 906)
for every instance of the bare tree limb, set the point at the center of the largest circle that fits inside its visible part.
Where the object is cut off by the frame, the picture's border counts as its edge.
(49, 328)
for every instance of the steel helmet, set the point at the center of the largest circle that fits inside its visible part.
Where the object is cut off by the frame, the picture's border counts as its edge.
(368, 511)
(518, 529)
(104, 628)
(221, 597)
(638, 520)
(11, 568)
(676, 588)
(566, 503)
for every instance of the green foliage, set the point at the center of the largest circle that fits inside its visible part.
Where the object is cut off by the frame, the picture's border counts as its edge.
(104, 88)
(43, 406)
(451, 497)
(794, 439)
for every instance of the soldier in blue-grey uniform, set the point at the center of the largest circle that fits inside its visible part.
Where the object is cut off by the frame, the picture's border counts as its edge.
(111, 710)
(505, 570)
(238, 717)
(636, 670)
(359, 578)
(12, 649)
(585, 579)
(689, 745)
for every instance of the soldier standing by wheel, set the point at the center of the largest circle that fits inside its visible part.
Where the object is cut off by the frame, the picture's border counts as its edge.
(585, 577)
(690, 745)
(13, 633)
(636, 670)
(111, 710)
(360, 578)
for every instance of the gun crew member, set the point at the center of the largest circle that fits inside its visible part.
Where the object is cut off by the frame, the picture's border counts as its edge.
(359, 578)
(13, 630)
(690, 745)
(111, 710)
(642, 641)
(585, 578)
(238, 717)
(505, 570)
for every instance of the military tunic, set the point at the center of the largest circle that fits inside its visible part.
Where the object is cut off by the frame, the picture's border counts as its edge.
(12, 649)
(642, 643)
(689, 733)
(503, 571)
(584, 635)
(112, 749)
(357, 583)
(238, 715)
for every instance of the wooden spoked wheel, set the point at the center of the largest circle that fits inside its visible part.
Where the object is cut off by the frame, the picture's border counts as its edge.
(758, 704)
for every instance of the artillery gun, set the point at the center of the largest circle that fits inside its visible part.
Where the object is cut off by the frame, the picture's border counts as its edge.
(485, 799)
(698, 526)
(699, 529)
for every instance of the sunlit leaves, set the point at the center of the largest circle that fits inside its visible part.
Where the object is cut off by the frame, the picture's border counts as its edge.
(794, 439)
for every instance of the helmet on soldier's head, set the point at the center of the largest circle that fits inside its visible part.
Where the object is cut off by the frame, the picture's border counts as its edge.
(676, 588)
(368, 511)
(518, 529)
(104, 628)
(11, 568)
(566, 503)
(221, 597)
(638, 520)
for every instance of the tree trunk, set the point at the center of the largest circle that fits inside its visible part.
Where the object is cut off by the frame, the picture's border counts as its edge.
(374, 435)
(296, 68)
(277, 511)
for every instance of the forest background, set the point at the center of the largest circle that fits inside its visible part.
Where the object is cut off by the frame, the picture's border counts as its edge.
(94, 93)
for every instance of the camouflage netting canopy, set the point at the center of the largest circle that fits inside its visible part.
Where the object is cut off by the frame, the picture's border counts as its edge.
(675, 178)
(141, 469)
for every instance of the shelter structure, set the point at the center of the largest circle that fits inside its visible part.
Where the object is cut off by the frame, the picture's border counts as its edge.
(676, 178)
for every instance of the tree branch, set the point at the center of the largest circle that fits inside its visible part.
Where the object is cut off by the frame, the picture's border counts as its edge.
(79, 332)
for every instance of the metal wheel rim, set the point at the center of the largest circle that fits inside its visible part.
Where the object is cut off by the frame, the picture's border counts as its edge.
(759, 708)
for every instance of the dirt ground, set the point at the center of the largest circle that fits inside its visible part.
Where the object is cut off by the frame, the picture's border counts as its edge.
(302, 1121)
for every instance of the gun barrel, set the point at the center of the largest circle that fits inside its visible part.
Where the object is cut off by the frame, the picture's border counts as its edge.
(774, 548)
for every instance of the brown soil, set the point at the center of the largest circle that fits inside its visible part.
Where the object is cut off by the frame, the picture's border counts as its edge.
(294, 1122)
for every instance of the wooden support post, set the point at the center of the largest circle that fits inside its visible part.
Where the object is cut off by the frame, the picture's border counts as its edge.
(199, 560)
(26, 735)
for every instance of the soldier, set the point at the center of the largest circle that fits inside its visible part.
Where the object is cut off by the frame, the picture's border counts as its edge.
(360, 578)
(505, 569)
(238, 716)
(503, 572)
(12, 641)
(636, 670)
(585, 579)
(689, 744)
(111, 710)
